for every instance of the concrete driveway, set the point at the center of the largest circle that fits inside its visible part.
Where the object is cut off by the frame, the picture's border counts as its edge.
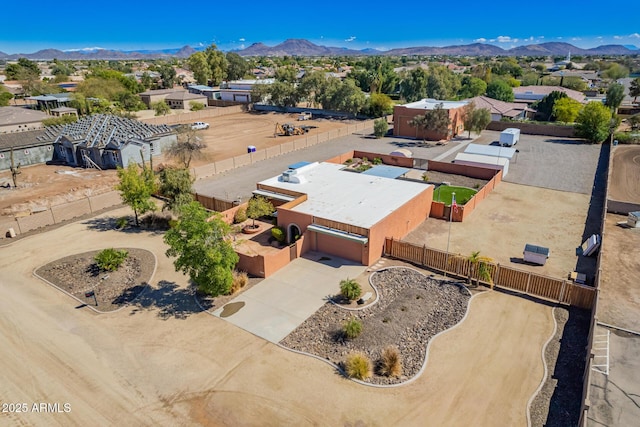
(277, 305)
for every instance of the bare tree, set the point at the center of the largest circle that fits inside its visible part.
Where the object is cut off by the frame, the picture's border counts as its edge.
(187, 147)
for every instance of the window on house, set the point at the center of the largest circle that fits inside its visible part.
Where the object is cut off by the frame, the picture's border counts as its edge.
(115, 156)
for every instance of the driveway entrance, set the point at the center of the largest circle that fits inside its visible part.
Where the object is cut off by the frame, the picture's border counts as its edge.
(277, 305)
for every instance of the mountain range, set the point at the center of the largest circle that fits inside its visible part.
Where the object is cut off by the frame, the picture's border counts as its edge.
(302, 47)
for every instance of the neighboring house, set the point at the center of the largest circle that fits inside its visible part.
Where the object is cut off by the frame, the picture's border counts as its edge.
(108, 141)
(175, 98)
(590, 77)
(240, 90)
(371, 206)
(64, 111)
(50, 101)
(531, 94)
(19, 119)
(29, 148)
(501, 109)
(403, 114)
(208, 91)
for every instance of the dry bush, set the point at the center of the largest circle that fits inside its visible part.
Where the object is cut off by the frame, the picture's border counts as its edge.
(358, 366)
(390, 363)
(240, 280)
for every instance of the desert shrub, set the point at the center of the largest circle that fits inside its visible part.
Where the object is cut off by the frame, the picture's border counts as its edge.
(196, 106)
(627, 137)
(278, 234)
(240, 216)
(173, 223)
(377, 161)
(425, 177)
(240, 280)
(365, 160)
(352, 328)
(363, 167)
(348, 161)
(358, 366)
(390, 363)
(110, 259)
(122, 222)
(350, 289)
(380, 127)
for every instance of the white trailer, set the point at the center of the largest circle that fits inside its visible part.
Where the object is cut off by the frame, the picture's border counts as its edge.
(509, 137)
(489, 162)
(634, 219)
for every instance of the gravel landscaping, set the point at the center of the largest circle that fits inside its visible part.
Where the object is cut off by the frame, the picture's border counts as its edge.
(412, 309)
(78, 274)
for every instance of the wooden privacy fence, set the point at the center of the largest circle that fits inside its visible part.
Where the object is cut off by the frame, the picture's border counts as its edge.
(213, 204)
(549, 288)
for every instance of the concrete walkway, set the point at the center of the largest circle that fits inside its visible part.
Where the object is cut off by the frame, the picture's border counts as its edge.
(277, 305)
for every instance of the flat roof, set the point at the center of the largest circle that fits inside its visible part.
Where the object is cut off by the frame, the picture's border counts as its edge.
(386, 171)
(347, 197)
(430, 104)
(479, 158)
(491, 150)
(20, 115)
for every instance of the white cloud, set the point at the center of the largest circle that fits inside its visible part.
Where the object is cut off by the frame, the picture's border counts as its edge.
(492, 40)
(242, 39)
(540, 37)
(576, 39)
(635, 35)
(599, 37)
(617, 37)
(480, 40)
(350, 39)
(506, 39)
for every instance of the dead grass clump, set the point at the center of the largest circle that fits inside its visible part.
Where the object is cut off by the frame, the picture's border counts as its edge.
(390, 363)
(240, 280)
(358, 366)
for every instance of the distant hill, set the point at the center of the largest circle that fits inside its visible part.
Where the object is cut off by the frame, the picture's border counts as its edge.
(302, 47)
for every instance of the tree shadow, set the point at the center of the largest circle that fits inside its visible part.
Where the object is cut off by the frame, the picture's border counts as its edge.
(564, 407)
(110, 223)
(169, 299)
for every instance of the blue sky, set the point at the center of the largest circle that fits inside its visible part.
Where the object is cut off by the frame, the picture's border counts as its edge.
(131, 25)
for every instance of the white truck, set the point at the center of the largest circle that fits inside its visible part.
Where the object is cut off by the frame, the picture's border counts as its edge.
(509, 137)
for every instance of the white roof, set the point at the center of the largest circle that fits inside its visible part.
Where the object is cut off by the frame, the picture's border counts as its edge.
(491, 150)
(430, 104)
(490, 161)
(348, 197)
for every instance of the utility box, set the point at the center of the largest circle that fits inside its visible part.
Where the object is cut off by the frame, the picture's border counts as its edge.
(509, 137)
(251, 149)
(633, 220)
(535, 254)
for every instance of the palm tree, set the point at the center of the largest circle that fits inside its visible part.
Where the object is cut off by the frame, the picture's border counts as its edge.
(480, 268)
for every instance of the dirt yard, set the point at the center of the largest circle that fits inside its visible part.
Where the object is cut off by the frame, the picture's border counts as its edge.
(230, 135)
(626, 174)
(511, 216)
(42, 186)
(142, 365)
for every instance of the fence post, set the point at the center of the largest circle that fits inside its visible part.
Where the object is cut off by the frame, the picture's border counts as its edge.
(528, 283)
(424, 255)
(495, 281)
(90, 207)
(562, 291)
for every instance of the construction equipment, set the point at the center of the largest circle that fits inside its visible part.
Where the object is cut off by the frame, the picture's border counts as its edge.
(287, 129)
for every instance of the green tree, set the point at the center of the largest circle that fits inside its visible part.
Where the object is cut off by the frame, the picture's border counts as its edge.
(475, 119)
(311, 85)
(202, 249)
(545, 105)
(593, 122)
(175, 186)
(471, 87)
(136, 187)
(634, 89)
(160, 107)
(500, 90)
(196, 106)
(283, 94)
(436, 121)
(167, 74)
(237, 66)
(199, 65)
(5, 97)
(217, 64)
(380, 127)
(615, 72)
(566, 109)
(286, 74)
(615, 95)
(187, 147)
(379, 105)
(414, 86)
(442, 83)
(258, 206)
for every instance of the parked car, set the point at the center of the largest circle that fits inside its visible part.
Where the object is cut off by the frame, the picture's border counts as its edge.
(199, 125)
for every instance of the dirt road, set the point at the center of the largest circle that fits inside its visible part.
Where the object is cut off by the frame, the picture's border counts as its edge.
(143, 366)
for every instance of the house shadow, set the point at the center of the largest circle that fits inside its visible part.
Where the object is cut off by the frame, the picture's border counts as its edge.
(168, 299)
(566, 141)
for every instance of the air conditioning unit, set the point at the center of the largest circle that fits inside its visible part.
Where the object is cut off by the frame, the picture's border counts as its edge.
(286, 175)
